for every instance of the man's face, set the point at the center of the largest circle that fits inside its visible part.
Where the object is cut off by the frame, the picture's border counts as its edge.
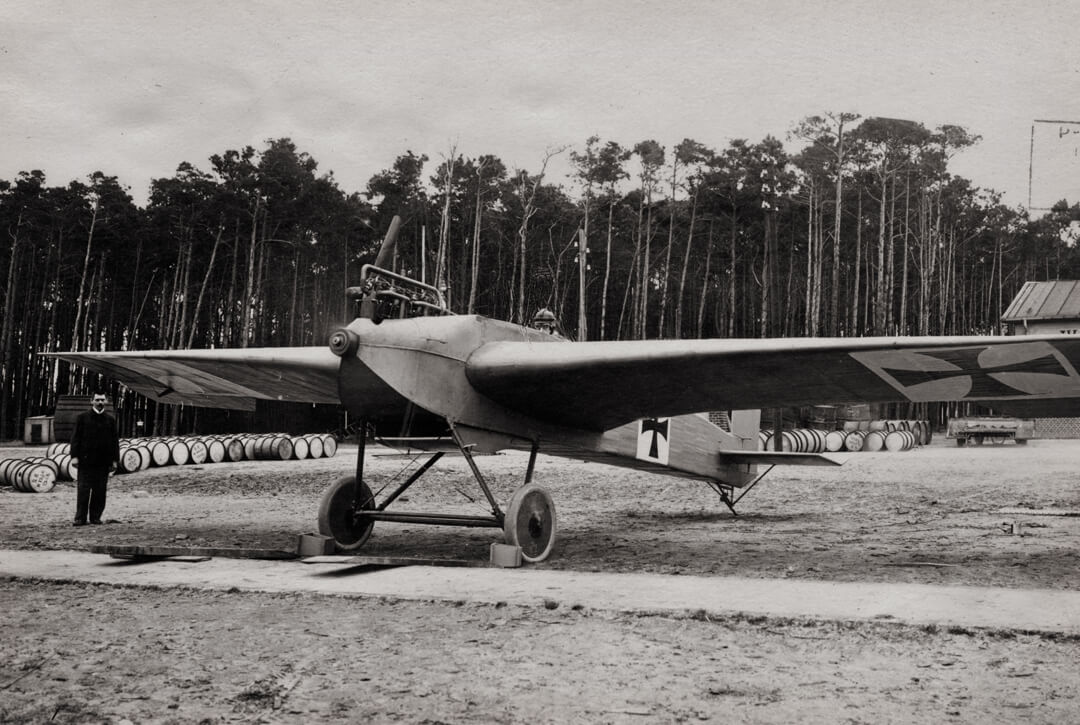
(98, 403)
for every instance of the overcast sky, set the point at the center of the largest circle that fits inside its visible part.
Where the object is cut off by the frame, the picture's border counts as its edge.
(135, 88)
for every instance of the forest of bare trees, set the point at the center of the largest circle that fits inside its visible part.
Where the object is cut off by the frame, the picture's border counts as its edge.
(862, 231)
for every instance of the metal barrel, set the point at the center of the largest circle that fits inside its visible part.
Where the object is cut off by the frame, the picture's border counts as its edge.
(215, 450)
(46, 462)
(234, 449)
(249, 447)
(874, 441)
(5, 465)
(900, 440)
(834, 441)
(28, 476)
(179, 453)
(315, 446)
(273, 447)
(145, 458)
(301, 449)
(55, 449)
(329, 445)
(160, 454)
(198, 450)
(68, 470)
(130, 459)
(853, 441)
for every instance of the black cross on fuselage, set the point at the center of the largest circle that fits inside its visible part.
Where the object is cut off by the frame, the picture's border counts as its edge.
(657, 428)
(982, 384)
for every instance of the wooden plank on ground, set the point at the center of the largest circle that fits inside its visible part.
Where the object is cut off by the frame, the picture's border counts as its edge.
(390, 561)
(161, 552)
(1040, 512)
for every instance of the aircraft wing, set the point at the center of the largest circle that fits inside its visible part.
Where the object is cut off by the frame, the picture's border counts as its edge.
(226, 378)
(599, 385)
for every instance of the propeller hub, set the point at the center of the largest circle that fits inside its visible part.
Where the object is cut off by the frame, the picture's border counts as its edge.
(344, 342)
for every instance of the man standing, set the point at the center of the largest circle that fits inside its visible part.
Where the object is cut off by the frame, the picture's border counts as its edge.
(95, 448)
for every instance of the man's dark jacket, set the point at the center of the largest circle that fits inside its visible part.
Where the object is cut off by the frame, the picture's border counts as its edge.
(95, 442)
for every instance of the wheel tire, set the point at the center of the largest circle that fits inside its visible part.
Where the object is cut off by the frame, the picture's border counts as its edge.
(335, 514)
(961, 442)
(530, 522)
(1021, 441)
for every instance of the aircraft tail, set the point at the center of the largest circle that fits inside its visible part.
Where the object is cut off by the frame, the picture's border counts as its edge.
(745, 425)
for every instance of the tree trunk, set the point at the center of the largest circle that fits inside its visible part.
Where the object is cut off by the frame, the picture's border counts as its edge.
(686, 263)
(6, 335)
(882, 279)
(858, 269)
(245, 308)
(766, 277)
(705, 284)
(474, 267)
(731, 277)
(82, 292)
(902, 327)
(670, 244)
(834, 296)
(205, 282)
(607, 268)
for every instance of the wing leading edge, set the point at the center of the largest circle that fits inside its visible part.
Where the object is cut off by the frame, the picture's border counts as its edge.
(599, 385)
(226, 378)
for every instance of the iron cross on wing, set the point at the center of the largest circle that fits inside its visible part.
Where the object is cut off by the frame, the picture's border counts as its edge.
(983, 384)
(1034, 369)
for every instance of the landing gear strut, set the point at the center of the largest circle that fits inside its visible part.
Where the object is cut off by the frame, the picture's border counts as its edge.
(727, 492)
(348, 511)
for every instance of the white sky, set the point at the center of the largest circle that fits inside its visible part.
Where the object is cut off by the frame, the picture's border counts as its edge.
(135, 88)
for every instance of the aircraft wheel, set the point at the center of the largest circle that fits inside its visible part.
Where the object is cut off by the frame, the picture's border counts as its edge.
(530, 522)
(335, 514)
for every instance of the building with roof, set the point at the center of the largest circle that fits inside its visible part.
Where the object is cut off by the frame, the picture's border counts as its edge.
(1045, 308)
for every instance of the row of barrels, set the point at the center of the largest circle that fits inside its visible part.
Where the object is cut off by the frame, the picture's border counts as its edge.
(30, 475)
(138, 454)
(921, 429)
(812, 440)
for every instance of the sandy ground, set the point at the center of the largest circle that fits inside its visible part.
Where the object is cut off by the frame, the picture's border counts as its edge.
(76, 653)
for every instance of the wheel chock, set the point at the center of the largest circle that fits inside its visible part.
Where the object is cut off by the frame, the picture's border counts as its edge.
(506, 556)
(315, 545)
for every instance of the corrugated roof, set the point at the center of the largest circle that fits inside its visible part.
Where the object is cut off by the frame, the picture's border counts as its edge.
(1055, 300)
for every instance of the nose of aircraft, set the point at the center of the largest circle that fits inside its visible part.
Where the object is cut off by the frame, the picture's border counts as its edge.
(344, 342)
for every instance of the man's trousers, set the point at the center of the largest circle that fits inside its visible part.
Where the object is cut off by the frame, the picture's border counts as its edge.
(93, 482)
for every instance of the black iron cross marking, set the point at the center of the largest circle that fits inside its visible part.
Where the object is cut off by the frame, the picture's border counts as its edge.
(657, 428)
(982, 384)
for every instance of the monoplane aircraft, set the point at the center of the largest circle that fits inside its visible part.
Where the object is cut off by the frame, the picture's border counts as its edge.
(638, 404)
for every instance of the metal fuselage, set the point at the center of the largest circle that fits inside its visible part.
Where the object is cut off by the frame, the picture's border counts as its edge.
(423, 361)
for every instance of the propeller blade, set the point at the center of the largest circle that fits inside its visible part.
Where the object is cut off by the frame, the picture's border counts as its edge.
(386, 251)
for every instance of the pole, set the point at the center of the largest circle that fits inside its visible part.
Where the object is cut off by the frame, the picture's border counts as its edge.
(583, 253)
(423, 254)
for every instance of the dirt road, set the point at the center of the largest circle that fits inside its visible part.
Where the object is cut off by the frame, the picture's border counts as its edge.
(77, 653)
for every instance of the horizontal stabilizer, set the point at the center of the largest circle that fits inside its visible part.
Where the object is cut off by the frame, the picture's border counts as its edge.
(781, 458)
